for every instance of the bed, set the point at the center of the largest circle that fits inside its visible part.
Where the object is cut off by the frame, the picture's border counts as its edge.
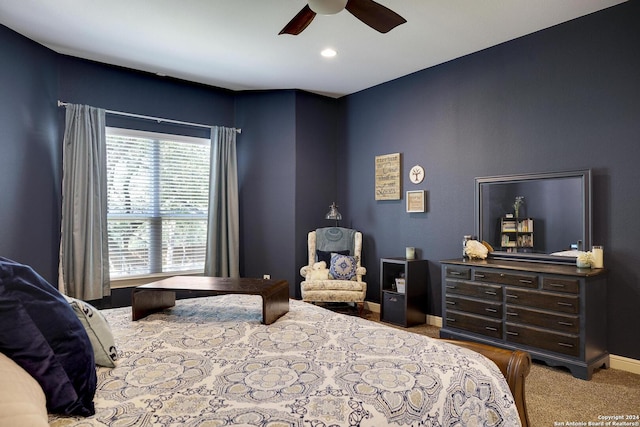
(210, 361)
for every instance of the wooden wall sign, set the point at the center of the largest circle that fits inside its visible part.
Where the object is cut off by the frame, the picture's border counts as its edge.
(388, 177)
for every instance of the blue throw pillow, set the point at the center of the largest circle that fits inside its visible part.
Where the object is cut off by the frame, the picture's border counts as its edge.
(343, 267)
(42, 334)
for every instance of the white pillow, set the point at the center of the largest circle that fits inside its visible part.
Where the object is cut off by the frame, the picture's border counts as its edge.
(100, 335)
(22, 401)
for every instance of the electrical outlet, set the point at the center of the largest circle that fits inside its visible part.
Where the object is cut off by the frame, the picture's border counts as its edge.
(266, 276)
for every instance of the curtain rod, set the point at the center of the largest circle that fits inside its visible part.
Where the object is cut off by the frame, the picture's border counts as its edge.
(157, 119)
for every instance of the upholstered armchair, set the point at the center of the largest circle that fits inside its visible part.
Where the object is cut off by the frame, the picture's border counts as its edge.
(340, 249)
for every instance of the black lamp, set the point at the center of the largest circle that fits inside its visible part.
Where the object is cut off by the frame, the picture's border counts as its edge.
(333, 213)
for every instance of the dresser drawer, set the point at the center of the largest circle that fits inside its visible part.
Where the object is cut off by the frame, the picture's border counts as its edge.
(394, 308)
(470, 289)
(524, 280)
(484, 308)
(544, 300)
(457, 272)
(571, 286)
(479, 325)
(555, 322)
(559, 343)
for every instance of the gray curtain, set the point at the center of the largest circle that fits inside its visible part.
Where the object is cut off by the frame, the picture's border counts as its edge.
(223, 241)
(84, 252)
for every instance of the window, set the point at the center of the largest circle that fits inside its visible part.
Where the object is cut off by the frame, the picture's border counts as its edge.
(158, 190)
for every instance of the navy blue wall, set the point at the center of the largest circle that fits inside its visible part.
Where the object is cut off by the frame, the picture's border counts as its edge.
(316, 167)
(118, 89)
(287, 178)
(562, 99)
(266, 179)
(29, 154)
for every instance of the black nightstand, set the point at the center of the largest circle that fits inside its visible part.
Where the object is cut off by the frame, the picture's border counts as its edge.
(403, 308)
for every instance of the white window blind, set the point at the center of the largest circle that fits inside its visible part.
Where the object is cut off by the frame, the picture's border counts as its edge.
(158, 188)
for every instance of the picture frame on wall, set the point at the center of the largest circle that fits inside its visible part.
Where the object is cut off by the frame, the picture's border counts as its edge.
(416, 201)
(387, 175)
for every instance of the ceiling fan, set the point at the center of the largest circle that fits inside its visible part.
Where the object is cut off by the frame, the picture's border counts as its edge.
(371, 13)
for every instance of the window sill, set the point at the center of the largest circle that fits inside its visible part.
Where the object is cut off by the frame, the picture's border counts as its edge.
(132, 282)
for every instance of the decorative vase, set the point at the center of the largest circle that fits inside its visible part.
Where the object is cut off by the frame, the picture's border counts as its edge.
(584, 260)
(582, 264)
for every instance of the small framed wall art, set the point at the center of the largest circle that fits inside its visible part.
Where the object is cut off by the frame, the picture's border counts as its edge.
(416, 201)
(416, 174)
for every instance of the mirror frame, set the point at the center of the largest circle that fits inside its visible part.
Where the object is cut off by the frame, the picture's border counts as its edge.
(584, 175)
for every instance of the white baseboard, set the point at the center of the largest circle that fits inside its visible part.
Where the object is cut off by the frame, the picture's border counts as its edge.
(617, 362)
(434, 320)
(372, 306)
(625, 364)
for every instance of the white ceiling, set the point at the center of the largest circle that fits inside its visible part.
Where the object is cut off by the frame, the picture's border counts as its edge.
(234, 44)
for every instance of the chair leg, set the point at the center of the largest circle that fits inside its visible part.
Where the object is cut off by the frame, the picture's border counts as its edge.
(360, 308)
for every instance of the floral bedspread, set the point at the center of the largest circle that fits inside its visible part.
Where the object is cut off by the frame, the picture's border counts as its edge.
(210, 362)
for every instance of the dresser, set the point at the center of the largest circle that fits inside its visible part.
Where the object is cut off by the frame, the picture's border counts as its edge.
(556, 312)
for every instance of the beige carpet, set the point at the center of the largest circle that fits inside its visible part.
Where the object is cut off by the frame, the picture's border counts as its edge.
(556, 398)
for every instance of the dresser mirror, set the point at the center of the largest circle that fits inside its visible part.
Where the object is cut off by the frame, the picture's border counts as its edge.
(535, 217)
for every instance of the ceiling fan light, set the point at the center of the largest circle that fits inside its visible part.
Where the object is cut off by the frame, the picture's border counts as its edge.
(328, 53)
(327, 7)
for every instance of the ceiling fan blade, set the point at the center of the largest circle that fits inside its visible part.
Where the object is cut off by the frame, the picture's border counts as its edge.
(299, 22)
(375, 15)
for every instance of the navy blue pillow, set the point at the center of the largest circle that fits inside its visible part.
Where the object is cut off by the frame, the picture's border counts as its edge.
(326, 255)
(42, 334)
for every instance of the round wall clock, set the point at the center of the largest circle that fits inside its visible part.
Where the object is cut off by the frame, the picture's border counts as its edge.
(416, 174)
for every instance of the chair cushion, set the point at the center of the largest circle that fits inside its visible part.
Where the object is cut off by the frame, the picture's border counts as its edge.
(326, 255)
(343, 267)
(332, 285)
(42, 334)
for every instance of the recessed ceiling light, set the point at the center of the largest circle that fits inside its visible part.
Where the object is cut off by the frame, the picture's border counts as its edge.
(328, 53)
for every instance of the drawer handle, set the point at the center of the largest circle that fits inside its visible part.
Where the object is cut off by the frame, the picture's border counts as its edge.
(491, 310)
(490, 328)
(565, 323)
(556, 285)
(480, 275)
(564, 344)
(565, 304)
(515, 334)
(512, 296)
(451, 302)
(449, 319)
(510, 313)
(490, 293)
(525, 281)
(454, 273)
(451, 286)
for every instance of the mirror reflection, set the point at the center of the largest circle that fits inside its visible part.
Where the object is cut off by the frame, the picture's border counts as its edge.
(535, 214)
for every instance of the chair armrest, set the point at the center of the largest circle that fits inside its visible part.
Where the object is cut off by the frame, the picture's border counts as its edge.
(304, 270)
